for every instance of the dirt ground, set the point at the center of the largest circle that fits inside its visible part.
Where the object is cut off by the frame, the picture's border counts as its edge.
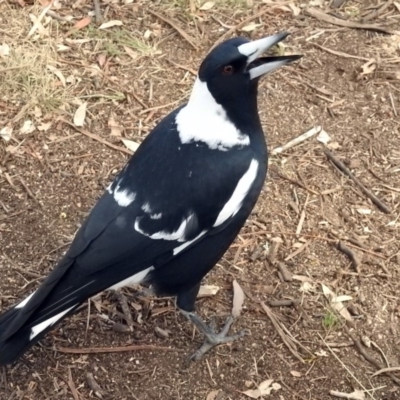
(304, 342)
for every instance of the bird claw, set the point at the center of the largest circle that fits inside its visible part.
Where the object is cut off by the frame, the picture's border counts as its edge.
(213, 339)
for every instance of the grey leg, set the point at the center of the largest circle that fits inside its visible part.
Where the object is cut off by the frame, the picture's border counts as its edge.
(212, 338)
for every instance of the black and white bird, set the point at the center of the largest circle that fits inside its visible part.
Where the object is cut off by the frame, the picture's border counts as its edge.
(174, 209)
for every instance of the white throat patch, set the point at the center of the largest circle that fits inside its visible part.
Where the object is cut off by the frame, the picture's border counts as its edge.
(204, 120)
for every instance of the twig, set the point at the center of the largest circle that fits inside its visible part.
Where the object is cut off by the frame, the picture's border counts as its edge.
(379, 11)
(98, 391)
(244, 22)
(54, 15)
(118, 349)
(384, 370)
(192, 71)
(72, 386)
(297, 140)
(369, 358)
(125, 307)
(317, 238)
(96, 137)
(28, 191)
(176, 27)
(3, 218)
(283, 303)
(287, 276)
(347, 24)
(383, 207)
(337, 3)
(275, 169)
(392, 103)
(97, 12)
(339, 53)
(355, 259)
(285, 335)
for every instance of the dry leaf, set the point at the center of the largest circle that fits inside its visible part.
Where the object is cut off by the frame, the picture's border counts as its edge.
(44, 127)
(115, 128)
(110, 24)
(296, 10)
(101, 59)
(82, 23)
(58, 74)
(131, 53)
(130, 144)
(37, 22)
(4, 50)
(306, 287)
(212, 395)
(342, 298)
(368, 67)
(80, 115)
(208, 290)
(27, 127)
(238, 299)
(61, 48)
(147, 34)
(208, 5)
(295, 374)
(364, 211)
(302, 278)
(323, 137)
(37, 26)
(337, 305)
(263, 389)
(321, 353)
(6, 132)
(250, 27)
(356, 395)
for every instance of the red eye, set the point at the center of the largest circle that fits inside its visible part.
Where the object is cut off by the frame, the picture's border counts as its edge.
(228, 70)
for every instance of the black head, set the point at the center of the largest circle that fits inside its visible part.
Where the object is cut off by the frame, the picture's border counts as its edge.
(232, 70)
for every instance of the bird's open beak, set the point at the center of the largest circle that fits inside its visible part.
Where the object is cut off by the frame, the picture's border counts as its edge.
(257, 67)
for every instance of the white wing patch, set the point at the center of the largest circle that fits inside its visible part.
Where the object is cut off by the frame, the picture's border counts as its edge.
(24, 302)
(123, 197)
(204, 120)
(188, 243)
(178, 235)
(48, 322)
(132, 280)
(156, 216)
(242, 188)
(146, 207)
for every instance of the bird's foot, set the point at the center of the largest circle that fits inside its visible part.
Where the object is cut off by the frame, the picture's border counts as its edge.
(212, 338)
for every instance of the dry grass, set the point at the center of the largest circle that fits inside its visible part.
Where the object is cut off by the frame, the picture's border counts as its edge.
(25, 78)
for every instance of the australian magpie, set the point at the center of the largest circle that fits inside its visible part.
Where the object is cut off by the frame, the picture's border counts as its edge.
(174, 209)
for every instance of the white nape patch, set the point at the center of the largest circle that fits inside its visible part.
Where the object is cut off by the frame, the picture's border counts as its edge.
(123, 197)
(146, 208)
(204, 120)
(133, 280)
(109, 190)
(45, 324)
(255, 48)
(156, 216)
(265, 69)
(242, 188)
(25, 301)
(178, 235)
(186, 244)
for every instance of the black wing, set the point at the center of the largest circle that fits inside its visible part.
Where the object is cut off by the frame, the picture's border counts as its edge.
(165, 200)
